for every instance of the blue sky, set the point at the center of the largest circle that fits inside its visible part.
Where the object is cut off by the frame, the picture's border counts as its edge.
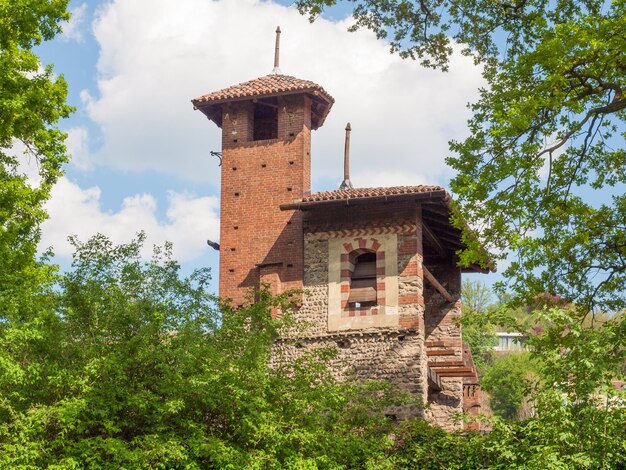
(140, 153)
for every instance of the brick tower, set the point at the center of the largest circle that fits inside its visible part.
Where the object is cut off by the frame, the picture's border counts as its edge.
(266, 161)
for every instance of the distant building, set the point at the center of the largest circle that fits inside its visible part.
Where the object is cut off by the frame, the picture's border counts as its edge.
(379, 265)
(510, 342)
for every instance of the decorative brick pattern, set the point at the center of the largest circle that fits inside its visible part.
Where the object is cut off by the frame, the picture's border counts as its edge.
(360, 232)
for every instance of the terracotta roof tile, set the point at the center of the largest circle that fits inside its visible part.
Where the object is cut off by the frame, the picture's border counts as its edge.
(267, 85)
(362, 193)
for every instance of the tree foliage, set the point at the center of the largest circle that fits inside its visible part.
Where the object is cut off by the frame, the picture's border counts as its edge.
(132, 366)
(32, 100)
(479, 322)
(508, 380)
(547, 146)
(542, 173)
(123, 363)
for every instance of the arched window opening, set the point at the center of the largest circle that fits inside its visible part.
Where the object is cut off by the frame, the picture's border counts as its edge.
(363, 281)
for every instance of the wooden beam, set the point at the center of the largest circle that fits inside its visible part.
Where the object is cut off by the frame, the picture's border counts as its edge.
(446, 364)
(456, 374)
(451, 240)
(444, 343)
(444, 229)
(434, 382)
(435, 283)
(452, 370)
(440, 223)
(438, 209)
(419, 226)
(441, 352)
(433, 240)
(264, 103)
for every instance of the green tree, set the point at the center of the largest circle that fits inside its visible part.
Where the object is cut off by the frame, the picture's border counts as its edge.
(547, 137)
(580, 417)
(478, 322)
(32, 100)
(132, 366)
(508, 380)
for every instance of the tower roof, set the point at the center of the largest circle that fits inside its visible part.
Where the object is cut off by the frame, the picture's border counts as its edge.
(265, 87)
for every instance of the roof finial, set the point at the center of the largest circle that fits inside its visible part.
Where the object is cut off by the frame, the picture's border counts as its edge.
(346, 183)
(277, 52)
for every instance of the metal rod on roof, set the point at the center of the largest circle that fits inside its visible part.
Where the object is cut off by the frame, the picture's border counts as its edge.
(277, 51)
(346, 183)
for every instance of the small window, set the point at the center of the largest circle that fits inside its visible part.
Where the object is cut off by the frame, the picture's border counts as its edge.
(265, 120)
(363, 281)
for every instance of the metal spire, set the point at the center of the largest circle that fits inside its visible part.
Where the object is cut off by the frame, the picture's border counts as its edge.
(346, 183)
(277, 52)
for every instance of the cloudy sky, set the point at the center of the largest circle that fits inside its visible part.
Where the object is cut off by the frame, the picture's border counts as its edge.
(140, 153)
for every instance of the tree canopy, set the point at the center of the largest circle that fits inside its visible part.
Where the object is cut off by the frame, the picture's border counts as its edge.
(32, 100)
(122, 362)
(130, 365)
(542, 174)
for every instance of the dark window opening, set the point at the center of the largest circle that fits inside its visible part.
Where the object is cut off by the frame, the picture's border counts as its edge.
(363, 281)
(265, 120)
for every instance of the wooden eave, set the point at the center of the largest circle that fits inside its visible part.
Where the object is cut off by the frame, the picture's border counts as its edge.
(320, 105)
(441, 237)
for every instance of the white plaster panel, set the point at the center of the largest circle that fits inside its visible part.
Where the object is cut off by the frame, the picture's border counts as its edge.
(388, 316)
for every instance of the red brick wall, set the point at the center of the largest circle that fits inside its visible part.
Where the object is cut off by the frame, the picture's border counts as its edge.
(257, 177)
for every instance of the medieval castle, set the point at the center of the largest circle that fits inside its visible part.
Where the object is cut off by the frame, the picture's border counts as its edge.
(378, 264)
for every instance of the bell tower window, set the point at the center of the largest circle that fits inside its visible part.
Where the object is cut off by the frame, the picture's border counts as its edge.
(265, 119)
(363, 281)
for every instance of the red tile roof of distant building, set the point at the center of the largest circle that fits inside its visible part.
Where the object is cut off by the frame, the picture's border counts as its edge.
(262, 86)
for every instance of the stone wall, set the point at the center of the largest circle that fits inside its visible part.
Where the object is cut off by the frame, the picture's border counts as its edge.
(370, 346)
(441, 326)
(390, 355)
(390, 344)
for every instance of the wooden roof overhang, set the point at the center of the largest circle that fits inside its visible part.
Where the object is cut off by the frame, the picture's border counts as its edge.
(320, 105)
(441, 239)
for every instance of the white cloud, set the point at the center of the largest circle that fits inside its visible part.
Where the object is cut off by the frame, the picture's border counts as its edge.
(77, 144)
(72, 30)
(154, 58)
(27, 162)
(76, 211)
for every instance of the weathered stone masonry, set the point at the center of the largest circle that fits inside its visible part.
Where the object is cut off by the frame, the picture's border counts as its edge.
(371, 342)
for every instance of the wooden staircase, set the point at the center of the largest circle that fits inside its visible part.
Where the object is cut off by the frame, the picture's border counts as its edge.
(445, 362)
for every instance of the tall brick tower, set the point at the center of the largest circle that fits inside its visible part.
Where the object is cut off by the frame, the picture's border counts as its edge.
(266, 161)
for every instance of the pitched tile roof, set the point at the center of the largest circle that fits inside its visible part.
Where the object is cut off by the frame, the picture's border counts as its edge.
(423, 193)
(363, 193)
(267, 85)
